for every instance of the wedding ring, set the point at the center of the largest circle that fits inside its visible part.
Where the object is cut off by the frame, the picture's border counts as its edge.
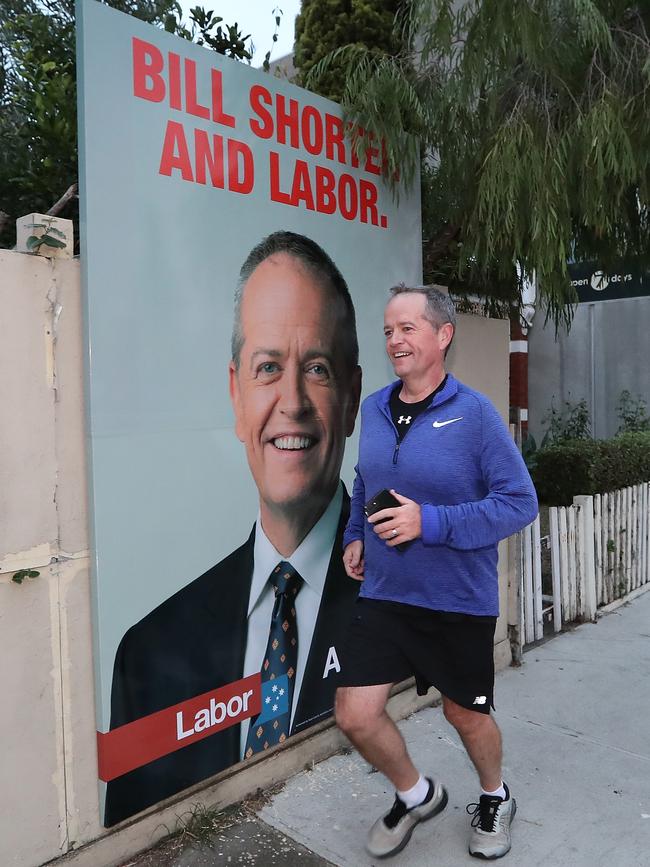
(394, 533)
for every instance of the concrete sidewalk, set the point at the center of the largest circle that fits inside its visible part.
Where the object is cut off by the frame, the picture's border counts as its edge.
(576, 725)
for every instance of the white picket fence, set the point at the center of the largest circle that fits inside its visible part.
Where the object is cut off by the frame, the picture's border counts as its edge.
(597, 553)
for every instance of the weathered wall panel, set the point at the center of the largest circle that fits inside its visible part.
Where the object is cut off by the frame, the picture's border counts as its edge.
(32, 785)
(27, 449)
(70, 421)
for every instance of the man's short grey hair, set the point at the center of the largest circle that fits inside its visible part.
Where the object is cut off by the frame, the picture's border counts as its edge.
(320, 265)
(438, 309)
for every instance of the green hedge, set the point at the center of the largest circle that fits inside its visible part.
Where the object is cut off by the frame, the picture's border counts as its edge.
(568, 468)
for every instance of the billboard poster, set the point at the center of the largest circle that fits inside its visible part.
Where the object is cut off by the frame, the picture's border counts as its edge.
(229, 235)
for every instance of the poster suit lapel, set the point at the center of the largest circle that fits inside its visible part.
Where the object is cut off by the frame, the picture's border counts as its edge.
(316, 700)
(228, 604)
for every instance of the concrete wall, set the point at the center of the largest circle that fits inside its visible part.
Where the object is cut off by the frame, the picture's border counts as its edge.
(48, 784)
(47, 728)
(605, 351)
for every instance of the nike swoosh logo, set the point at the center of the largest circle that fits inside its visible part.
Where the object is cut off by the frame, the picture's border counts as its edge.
(450, 421)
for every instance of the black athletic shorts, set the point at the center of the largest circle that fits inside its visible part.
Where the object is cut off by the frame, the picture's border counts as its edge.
(389, 642)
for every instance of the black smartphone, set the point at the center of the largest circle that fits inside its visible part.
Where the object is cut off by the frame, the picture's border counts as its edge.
(383, 500)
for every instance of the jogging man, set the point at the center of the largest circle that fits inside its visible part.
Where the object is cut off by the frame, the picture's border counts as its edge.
(428, 608)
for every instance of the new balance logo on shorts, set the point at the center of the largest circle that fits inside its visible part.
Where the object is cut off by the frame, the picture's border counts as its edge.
(480, 699)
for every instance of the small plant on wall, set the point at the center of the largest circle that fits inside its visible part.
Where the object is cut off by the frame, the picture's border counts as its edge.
(21, 574)
(51, 237)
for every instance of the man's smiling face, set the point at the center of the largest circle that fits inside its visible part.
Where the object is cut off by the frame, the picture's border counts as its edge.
(294, 400)
(414, 346)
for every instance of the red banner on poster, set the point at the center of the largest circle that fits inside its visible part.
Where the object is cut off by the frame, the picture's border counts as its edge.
(130, 746)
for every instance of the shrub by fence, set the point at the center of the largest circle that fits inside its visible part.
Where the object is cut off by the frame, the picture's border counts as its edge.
(571, 468)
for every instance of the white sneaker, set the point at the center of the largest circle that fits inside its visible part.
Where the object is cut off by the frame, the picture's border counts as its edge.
(390, 834)
(490, 835)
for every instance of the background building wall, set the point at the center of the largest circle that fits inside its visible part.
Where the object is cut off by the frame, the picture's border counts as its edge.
(605, 352)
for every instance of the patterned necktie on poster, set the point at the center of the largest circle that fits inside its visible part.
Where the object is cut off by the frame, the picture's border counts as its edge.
(279, 666)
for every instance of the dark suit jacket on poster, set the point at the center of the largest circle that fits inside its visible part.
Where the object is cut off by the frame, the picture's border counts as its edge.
(195, 642)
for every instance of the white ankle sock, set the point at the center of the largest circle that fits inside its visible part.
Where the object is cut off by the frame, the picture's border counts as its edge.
(497, 793)
(414, 796)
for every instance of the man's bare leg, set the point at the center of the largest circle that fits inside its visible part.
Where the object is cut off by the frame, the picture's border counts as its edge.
(482, 740)
(361, 715)
(490, 829)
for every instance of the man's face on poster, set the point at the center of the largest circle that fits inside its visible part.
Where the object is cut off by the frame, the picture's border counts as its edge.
(294, 396)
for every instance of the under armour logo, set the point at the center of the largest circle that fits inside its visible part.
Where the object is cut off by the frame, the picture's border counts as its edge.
(404, 419)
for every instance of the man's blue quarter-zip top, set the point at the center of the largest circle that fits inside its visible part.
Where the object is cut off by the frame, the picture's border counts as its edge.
(461, 465)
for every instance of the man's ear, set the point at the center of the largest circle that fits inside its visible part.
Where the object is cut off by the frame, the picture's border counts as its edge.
(445, 335)
(353, 401)
(235, 398)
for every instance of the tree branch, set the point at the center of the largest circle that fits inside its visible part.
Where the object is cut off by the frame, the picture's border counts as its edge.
(57, 207)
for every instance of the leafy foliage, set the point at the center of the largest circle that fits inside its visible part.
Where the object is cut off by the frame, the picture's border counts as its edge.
(38, 125)
(324, 25)
(277, 15)
(569, 468)
(570, 423)
(205, 28)
(51, 237)
(532, 117)
(37, 106)
(530, 450)
(632, 412)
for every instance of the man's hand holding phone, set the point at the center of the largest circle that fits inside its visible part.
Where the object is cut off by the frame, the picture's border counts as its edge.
(396, 519)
